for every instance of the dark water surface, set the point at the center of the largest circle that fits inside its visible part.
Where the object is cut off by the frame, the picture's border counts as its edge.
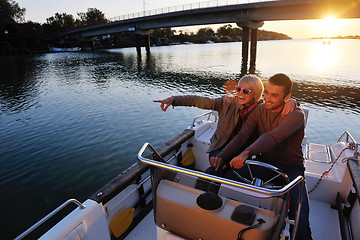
(70, 122)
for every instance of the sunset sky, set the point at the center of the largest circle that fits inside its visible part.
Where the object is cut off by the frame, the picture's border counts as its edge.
(39, 10)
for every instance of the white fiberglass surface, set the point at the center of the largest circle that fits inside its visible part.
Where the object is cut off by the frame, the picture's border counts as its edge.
(146, 229)
(324, 221)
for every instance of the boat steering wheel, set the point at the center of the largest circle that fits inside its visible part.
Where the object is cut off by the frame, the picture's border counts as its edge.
(258, 181)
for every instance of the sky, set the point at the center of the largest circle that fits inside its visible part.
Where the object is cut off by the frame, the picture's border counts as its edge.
(40, 10)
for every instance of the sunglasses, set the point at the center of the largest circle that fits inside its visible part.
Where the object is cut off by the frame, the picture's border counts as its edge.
(244, 90)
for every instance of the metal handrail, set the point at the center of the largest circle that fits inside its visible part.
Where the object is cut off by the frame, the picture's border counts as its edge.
(270, 192)
(348, 135)
(200, 116)
(30, 229)
(191, 6)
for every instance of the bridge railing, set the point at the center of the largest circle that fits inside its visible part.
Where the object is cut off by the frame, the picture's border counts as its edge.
(191, 6)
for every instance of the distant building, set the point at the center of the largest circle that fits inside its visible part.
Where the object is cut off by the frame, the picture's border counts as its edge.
(16, 39)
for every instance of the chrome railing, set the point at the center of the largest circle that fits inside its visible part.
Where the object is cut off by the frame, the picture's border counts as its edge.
(348, 137)
(203, 115)
(270, 192)
(30, 229)
(185, 7)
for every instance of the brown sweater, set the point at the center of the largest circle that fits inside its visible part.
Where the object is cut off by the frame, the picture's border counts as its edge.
(280, 137)
(228, 109)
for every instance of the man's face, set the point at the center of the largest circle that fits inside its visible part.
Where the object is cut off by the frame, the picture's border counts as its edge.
(274, 97)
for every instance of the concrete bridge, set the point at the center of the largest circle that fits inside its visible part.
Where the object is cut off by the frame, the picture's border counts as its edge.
(249, 16)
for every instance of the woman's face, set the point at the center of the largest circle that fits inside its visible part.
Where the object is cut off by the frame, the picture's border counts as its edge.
(245, 94)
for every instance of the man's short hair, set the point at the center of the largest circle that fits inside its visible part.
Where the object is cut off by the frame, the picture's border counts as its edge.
(281, 79)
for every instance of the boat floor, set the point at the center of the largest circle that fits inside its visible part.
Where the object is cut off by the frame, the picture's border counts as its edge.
(146, 229)
(323, 220)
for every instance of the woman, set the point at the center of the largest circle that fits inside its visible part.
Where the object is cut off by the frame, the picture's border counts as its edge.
(232, 111)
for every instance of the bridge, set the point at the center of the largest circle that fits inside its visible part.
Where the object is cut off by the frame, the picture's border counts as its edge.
(249, 15)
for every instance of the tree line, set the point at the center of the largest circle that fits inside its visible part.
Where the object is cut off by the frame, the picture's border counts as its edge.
(11, 12)
(225, 33)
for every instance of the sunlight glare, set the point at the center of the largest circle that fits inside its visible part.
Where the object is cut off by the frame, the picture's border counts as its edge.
(323, 57)
(330, 20)
(329, 26)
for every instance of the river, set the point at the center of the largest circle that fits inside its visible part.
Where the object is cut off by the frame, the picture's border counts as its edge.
(70, 122)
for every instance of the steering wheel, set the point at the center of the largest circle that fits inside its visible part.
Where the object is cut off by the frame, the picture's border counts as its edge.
(258, 181)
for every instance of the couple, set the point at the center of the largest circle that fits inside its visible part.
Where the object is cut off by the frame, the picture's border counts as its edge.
(249, 127)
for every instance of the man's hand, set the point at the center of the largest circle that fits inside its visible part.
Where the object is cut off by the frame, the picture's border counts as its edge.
(238, 161)
(216, 162)
(165, 103)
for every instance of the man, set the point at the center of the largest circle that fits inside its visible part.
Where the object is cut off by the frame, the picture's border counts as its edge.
(279, 143)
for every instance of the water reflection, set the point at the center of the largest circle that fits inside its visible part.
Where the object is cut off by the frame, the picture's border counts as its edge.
(329, 96)
(22, 78)
(18, 86)
(322, 57)
(323, 93)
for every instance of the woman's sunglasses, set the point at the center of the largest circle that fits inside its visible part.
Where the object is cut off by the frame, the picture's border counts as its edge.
(244, 90)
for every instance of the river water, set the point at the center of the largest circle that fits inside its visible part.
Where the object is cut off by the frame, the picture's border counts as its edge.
(70, 122)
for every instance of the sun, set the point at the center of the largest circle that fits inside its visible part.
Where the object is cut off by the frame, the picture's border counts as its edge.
(329, 21)
(329, 26)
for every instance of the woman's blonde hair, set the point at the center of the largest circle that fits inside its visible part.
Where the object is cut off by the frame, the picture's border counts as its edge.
(255, 84)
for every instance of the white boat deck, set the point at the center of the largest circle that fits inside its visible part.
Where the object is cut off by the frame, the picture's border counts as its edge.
(146, 229)
(323, 220)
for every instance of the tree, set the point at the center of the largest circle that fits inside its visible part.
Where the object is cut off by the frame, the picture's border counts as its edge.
(60, 21)
(163, 32)
(91, 16)
(228, 30)
(205, 32)
(10, 11)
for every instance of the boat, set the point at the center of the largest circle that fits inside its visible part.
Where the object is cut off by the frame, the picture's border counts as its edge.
(165, 195)
(64, 49)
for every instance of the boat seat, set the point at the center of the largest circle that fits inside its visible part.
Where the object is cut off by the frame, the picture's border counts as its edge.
(201, 145)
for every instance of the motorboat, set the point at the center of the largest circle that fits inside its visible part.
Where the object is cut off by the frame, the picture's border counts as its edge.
(64, 49)
(167, 195)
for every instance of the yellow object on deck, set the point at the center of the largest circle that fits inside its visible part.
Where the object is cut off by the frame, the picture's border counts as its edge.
(188, 159)
(122, 222)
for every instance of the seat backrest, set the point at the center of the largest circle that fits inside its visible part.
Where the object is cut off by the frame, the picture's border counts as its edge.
(306, 111)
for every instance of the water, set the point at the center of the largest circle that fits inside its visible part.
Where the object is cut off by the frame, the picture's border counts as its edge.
(70, 122)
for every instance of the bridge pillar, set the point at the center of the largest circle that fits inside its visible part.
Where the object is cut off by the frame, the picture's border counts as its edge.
(253, 48)
(146, 33)
(246, 25)
(245, 50)
(147, 43)
(138, 44)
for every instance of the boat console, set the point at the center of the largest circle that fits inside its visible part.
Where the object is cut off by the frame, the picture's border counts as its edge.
(194, 205)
